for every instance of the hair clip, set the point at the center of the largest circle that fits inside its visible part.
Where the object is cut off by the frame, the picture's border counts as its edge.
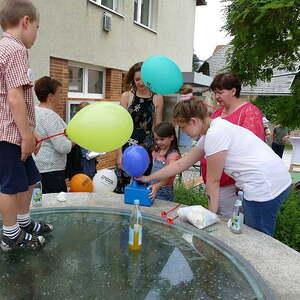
(186, 97)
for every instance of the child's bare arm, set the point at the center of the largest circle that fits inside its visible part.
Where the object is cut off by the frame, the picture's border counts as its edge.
(18, 109)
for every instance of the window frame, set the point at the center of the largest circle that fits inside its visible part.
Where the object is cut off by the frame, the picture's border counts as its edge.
(117, 6)
(68, 107)
(85, 94)
(139, 14)
(77, 102)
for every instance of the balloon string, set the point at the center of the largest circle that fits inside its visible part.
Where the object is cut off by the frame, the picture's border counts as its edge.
(51, 136)
(165, 213)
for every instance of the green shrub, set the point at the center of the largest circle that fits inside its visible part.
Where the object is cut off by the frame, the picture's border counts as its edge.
(288, 222)
(190, 196)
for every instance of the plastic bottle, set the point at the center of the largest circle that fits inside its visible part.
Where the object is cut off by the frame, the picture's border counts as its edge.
(36, 198)
(135, 228)
(241, 211)
(237, 218)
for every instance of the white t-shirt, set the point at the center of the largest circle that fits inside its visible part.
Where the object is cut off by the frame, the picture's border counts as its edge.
(254, 166)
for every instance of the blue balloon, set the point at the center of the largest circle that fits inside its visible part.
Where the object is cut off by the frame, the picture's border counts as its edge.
(135, 160)
(161, 75)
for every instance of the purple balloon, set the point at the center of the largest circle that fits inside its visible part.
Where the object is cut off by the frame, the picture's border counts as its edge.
(135, 160)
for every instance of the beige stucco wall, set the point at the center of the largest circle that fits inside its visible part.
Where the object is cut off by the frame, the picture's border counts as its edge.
(72, 29)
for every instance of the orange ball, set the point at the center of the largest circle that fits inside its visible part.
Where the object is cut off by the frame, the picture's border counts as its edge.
(81, 183)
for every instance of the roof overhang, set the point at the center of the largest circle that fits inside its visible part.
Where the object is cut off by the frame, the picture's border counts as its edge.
(197, 79)
(200, 2)
(264, 94)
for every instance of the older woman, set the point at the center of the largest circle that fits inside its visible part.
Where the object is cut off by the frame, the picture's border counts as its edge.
(227, 88)
(145, 108)
(52, 157)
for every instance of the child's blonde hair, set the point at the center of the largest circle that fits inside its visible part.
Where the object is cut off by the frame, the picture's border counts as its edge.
(185, 110)
(12, 11)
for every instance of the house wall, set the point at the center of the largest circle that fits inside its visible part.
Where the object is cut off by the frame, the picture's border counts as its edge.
(59, 70)
(71, 30)
(74, 32)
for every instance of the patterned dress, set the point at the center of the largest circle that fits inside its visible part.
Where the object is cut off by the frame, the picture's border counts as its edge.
(142, 111)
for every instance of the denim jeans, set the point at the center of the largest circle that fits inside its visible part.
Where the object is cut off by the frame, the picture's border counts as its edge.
(262, 215)
(165, 193)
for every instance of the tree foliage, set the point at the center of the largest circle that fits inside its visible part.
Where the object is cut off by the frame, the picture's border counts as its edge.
(282, 110)
(288, 108)
(196, 62)
(266, 36)
(267, 105)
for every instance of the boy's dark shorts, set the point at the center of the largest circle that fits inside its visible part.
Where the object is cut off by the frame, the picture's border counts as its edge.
(15, 175)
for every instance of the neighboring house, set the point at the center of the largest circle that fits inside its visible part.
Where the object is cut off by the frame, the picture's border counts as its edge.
(89, 44)
(280, 84)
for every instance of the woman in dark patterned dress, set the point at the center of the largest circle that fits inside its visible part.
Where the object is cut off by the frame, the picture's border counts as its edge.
(145, 109)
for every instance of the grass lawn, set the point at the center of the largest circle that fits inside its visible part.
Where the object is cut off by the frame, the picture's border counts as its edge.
(295, 176)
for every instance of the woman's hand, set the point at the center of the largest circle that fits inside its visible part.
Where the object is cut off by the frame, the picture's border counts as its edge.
(286, 138)
(37, 145)
(154, 188)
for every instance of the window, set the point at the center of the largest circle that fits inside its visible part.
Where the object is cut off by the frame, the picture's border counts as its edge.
(114, 5)
(72, 107)
(75, 79)
(143, 12)
(86, 82)
(95, 82)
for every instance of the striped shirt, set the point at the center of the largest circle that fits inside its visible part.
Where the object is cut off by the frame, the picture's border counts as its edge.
(14, 73)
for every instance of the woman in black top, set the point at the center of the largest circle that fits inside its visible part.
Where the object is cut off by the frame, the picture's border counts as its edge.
(145, 109)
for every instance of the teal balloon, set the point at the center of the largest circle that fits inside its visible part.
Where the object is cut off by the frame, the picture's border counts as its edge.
(161, 75)
(100, 127)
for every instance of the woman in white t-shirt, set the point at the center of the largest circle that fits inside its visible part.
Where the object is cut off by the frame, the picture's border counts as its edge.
(256, 169)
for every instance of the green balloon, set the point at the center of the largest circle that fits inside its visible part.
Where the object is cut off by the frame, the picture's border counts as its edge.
(101, 127)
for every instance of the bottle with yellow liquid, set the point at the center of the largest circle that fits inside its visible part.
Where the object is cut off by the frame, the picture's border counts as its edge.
(135, 228)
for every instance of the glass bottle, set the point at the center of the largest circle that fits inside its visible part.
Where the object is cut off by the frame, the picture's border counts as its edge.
(237, 218)
(36, 198)
(135, 228)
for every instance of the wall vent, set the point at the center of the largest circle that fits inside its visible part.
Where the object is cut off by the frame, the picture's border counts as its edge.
(107, 18)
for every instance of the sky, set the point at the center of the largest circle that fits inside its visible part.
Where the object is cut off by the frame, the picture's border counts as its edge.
(208, 23)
